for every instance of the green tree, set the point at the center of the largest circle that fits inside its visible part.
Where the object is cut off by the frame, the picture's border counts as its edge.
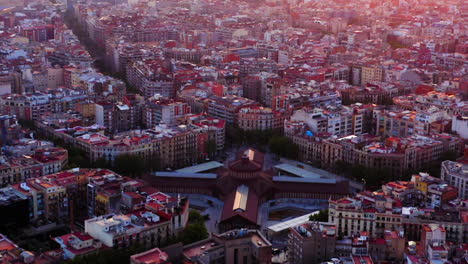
(152, 164)
(195, 229)
(234, 135)
(322, 216)
(130, 165)
(76, 156)
(449, 155)
(193, 233)
(26, 123)
(292, 150)
(276, 145)
(375, 177)
(101, 163)
(358, 172)
(283, 146)
(341, 167)
(195, 217)
(211, 148)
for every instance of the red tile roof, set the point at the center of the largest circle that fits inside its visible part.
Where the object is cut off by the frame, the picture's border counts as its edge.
(249, 214)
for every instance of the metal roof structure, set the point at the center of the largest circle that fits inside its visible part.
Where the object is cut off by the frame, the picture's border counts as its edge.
(304, 180)
(175, 174)
(296, 171)
(240, 200)
(291, 223)
(202, 167)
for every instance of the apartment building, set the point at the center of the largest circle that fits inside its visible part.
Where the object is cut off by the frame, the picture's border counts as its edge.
(311, 242)
(174, 146)
(397, 155)
(42, 161)
(227, 107)
(152, 77)
(456, 174)
(216, 128)
(400, 206)
(160, 218)
(259, 118)
(28, 107)
(335, 121)
(236, 246)
(144, 227)
(395, 124)
(159, 110)
(374, 73)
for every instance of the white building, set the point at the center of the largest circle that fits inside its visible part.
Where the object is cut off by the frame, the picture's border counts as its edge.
(335, 122)
(456, 174)
(460, 125)
(118, 230)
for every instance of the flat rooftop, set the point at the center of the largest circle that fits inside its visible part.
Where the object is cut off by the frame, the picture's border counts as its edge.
(291, 223)
(299, 169)
(9, 195)
(153, 256)
(254, 235)
(198, 248)
(202, 167)
(304, 180)
(6, 244)
(175, 174)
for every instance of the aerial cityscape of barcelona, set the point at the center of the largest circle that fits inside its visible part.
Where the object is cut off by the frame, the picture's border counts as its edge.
(234, 131)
